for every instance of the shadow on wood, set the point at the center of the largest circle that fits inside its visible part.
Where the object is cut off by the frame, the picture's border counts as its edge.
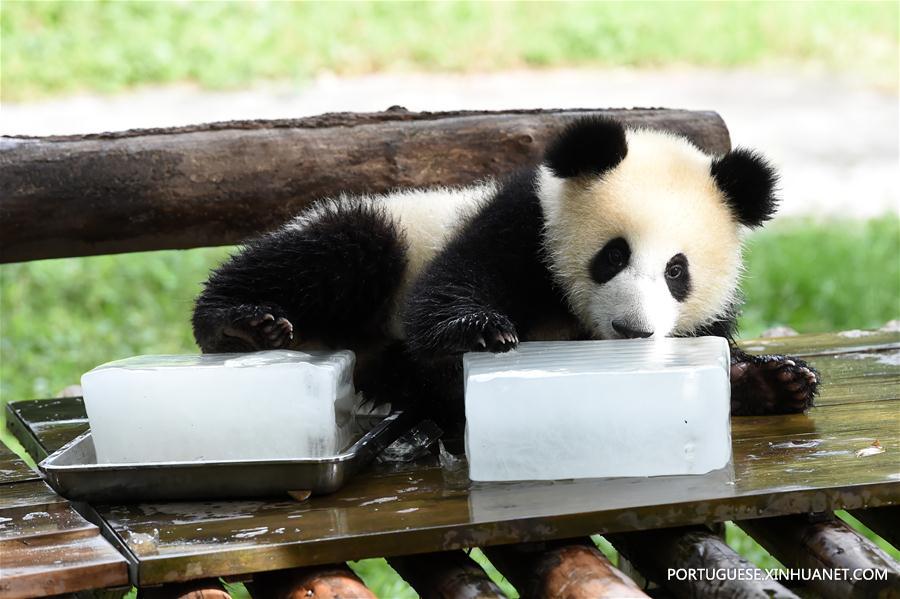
(445, 575)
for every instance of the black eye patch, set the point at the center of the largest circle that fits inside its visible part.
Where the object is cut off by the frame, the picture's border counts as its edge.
(678, 277)
(610, 260)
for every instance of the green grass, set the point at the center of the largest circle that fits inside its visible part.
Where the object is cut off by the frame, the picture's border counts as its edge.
(59, 318)
(60, 47)
(822, 277)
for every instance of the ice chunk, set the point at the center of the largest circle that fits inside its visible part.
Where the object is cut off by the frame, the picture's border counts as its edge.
(264, 405)
(581, 409)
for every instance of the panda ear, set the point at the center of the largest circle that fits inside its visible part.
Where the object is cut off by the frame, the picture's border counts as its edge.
(747, 181)
(588, 146)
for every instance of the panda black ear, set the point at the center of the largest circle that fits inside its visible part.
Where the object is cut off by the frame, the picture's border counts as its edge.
(748, 182)
(588, 146)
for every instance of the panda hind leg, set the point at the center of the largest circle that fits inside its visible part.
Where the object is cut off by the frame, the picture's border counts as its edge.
(771, 384)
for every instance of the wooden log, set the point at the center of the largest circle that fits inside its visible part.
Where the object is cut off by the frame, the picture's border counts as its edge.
(829, 546)
(335, 581)
(570, 569)
(445, 575)
(219, 183)
(209, 588)
(693, 561)
(883, 521)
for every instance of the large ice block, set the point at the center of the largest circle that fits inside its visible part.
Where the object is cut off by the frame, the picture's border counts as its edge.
(264, 405)
(583, 409)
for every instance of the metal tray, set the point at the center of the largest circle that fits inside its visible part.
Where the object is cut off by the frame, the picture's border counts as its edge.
(75, 474)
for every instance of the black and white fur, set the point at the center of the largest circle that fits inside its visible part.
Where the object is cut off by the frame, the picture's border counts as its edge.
(618, 233)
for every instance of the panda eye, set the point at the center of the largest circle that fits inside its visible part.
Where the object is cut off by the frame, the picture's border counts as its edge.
(610, 260)
(674, 271)
(616, 257)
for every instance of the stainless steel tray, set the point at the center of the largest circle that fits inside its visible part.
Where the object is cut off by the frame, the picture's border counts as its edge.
(75, 474)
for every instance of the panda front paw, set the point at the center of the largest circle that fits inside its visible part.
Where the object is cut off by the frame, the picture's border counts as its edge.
(475, 331)
(771, 384)
(261, 327)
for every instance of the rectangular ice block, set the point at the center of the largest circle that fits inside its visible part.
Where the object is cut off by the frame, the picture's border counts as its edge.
(585, 409)
(264, 405)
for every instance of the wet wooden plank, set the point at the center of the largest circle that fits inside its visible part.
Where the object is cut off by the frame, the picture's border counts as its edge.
(858, 377)
(13, 468)
(825, 343)
(842, 419)
(30, 496)
(47, 566)
(782, 465)
(34, 522)
(815, 461)
(47, 548)
(374, 516)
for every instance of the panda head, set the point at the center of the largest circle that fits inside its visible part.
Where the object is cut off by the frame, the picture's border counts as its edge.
(643, 230)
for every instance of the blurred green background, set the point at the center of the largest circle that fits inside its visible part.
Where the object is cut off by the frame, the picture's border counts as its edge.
(55, 47)
(59, 318)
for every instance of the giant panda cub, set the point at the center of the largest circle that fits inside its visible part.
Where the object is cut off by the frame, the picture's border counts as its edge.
(618, 233)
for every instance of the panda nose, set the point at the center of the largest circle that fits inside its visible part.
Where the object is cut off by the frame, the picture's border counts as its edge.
(622, 328)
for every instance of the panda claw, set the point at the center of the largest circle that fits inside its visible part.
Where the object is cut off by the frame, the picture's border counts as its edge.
(478, 330)
(261, 331)
(286, 327)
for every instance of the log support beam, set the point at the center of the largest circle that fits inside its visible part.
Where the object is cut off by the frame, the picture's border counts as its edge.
(209, 588)
(220, 183)
(667, 556)
(336, 581)
(826, 544)
(570, 569)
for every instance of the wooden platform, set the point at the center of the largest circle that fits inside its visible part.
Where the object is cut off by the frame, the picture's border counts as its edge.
(782, 465)
(46, 547)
